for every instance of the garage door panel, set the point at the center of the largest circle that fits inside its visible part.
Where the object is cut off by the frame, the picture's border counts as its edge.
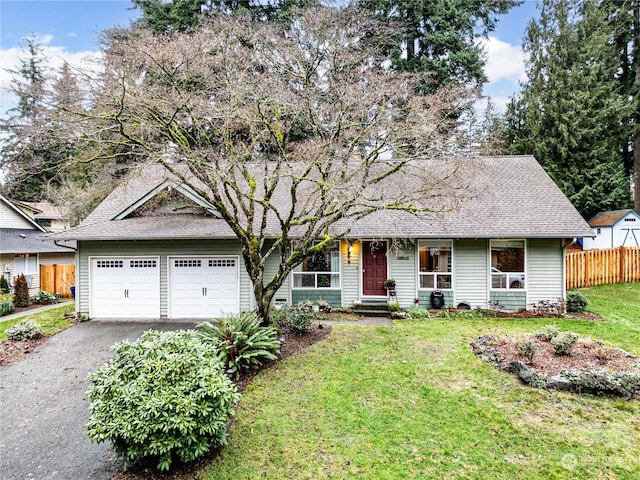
(203, 287)
(125, 288)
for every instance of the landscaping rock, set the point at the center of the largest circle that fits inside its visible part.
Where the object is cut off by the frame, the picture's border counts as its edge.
(558, 382)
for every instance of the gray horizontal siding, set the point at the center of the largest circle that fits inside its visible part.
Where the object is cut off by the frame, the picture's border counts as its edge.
(402, 268)
(332, 297)
(471, 274)
(509, 300)
(545, 270)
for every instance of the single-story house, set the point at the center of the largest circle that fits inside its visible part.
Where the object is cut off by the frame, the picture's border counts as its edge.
(618, 228)
(155, 249)
(22, 250)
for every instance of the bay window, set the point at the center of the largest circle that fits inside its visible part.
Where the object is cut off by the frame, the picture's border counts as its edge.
(507, 264)
(320, 270)
(435, 264)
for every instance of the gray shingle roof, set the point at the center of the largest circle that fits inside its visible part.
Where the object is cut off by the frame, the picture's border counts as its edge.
(21, 240)
(494, 197)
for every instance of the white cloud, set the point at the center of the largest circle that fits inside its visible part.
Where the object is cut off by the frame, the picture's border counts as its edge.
(53, 59)
(504, 69)
(504, 60)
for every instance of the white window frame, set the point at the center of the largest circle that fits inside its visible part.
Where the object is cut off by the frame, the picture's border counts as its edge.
(438, 277)
(314, 278)
(511, 278)
(22, 262)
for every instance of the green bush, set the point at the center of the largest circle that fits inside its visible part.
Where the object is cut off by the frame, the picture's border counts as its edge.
(576, 302)
(45, 298)
(6, 306)
(163, 397)
(25, 330)
(417, 312)
(601, 381)
(4, 285)
(547, 332)
(240, 342)
(526, 348)
(298, 318)
(564, 342)
(21, 292)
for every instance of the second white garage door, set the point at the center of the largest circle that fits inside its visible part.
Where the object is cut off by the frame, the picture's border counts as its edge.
(203, 287)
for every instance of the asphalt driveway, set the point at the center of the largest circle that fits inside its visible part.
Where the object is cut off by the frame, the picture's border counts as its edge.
(43, 406)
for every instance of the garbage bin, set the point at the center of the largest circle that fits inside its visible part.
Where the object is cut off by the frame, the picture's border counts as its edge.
(437, 299)
(73, 290)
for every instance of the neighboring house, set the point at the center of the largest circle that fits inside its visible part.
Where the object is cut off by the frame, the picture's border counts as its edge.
(51, 217)
(142, 254)
(619, 228)
(23, 251)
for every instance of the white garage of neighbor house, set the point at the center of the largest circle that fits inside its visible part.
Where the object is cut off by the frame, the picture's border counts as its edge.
(155, 249)
(619, 228)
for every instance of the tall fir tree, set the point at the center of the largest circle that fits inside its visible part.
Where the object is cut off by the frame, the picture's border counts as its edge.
(569, 113)
(439, 36)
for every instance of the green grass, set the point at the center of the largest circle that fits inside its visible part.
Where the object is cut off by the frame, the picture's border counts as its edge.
(52, 321)
(414, 402)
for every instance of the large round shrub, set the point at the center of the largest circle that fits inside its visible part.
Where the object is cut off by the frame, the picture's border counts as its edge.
(163, 397)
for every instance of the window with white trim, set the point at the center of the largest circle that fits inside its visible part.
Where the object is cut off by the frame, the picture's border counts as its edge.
(26, 263)
(435, 258)
(507, 264)
(320, 270)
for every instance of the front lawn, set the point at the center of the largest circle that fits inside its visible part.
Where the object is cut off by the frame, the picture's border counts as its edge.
(52, 321)
(415, 402)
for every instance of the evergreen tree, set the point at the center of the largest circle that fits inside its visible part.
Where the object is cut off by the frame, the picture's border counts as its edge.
(167, 17)
(439, 36)
(570, 110)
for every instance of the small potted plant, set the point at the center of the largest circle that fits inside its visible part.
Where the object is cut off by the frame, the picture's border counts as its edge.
(390, 285)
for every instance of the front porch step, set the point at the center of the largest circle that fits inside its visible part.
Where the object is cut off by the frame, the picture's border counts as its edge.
(372, 309)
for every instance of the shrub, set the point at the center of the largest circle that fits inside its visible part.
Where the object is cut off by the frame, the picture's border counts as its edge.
(4, 285)
(298, 318)
(240, 342)
(25, 330)
(547, 332)
(564, 342)
(576, 302)
(394, 307)
(601, 381)
(418, 312)
(526, 348)
(21, 292)
(163, 397)
(6, 306)
(44, 298)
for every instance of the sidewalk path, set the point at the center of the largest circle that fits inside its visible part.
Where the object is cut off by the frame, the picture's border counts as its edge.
(44, 407)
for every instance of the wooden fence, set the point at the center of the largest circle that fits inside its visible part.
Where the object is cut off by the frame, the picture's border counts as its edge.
(606, 266)
(57, 279)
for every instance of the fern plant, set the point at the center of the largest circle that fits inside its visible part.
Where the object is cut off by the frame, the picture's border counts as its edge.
(241, 343)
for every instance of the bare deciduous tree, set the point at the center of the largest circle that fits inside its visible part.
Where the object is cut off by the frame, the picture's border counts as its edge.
(292, 135)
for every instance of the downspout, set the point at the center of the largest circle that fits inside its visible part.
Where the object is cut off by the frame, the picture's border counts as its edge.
(564, 265)
(55, 242)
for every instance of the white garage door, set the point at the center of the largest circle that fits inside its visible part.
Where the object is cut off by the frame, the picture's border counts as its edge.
(203, 287)
(125, 288)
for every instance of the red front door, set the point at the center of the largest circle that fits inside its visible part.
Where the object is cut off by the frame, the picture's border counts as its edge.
(374, 268)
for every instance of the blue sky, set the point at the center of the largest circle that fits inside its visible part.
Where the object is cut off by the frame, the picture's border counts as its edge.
(69, 30)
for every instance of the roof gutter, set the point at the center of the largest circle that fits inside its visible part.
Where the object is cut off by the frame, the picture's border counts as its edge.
(55, 242)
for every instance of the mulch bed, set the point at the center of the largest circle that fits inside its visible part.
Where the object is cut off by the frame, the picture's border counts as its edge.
(585, 354)
(11, 351)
